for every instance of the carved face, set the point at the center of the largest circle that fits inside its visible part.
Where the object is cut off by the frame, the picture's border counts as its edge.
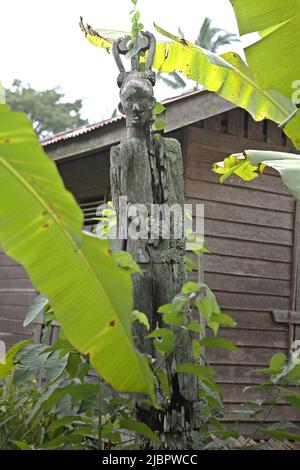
(137, 102)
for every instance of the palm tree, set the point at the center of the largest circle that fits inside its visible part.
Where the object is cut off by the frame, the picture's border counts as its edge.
(209, 38)
(213, 38)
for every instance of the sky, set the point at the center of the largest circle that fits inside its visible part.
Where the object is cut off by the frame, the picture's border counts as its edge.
(42, 45)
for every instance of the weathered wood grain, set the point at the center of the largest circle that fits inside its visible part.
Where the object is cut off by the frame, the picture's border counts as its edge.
(249, 232)
(250, 356)
(235, 213)
(16, 312)
(249, 249)
(274, 134)
(227, 143)
(285, 412)
(13, 272)
(238, 195)
(231, 300)
(255, 320)
(255, 130)
(236, 122)
(231, 283)
(17, 298)
(242, 337)
(247, 267)
(13, 326)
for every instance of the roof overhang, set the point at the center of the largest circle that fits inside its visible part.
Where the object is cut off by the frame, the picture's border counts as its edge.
(180, 112)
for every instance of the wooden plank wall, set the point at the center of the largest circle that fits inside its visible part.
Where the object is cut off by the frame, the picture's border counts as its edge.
(16, 293)
(87, 177)
(249, 233)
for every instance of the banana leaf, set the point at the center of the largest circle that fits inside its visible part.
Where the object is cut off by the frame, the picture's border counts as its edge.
(245, 165)
(227, 75)
(274, 59)
(102, 38)
(41, 227)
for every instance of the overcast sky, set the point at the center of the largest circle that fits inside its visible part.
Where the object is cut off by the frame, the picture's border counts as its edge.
(41, 43)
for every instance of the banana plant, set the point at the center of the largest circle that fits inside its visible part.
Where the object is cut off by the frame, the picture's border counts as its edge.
(252, 163)
(42, 228)
(274, 63)
(227, 75)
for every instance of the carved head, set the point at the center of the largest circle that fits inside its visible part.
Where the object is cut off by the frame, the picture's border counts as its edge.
(137, 100)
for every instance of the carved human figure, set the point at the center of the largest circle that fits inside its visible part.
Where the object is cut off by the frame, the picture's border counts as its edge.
(137, 101)
(148, 170)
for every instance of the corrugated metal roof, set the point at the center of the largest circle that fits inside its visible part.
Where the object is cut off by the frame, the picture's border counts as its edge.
(72, 134)
(66, 135)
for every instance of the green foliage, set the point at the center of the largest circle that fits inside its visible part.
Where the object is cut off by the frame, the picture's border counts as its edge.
(228, 76)
(235, 165)
(73, 409)
(275, 25)
(141, 318)
(159, 108)
(218, 343)
(78, 275)
(47, 109)
(125, 261)
(164, 340)
(278, 386)
(107, 222)
(209, 38)
(200, 371)
(176, 317)
(103, 38)
(263, 93)
(36, 308)
(159, 123)
(247, 164)
(2, 94)
(53, 400)
(136, 25)
(277, 361)
(8, 364)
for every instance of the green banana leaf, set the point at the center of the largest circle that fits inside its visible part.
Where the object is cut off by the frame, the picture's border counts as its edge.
(246, 164)
(41, 227)
(103, 38)
(274, 59)
(2, 94)
(228, 76)
(274, 63)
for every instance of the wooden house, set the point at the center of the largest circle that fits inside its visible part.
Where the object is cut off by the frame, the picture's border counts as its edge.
(252, 231)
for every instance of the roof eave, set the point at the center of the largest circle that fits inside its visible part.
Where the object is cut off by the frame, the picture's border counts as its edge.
(180, 112)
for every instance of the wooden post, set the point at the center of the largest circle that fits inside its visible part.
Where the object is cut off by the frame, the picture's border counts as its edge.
(148, 171)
